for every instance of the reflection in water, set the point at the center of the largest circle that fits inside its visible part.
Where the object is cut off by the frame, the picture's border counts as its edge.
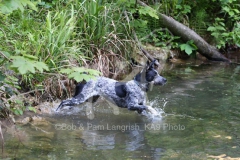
(92, 139)
(135, 140)
(200, 117)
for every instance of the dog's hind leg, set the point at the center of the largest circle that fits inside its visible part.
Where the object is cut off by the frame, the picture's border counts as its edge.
(79, 99)
(82, 93)
(70, 102)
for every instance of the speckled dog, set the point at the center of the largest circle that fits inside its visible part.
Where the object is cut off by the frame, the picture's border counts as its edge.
(129, 94)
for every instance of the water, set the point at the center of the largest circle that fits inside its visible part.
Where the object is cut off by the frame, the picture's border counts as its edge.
(200, 115)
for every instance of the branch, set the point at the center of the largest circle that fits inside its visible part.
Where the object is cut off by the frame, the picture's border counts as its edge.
(139, 43)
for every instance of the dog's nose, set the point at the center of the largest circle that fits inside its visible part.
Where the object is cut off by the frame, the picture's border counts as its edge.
(165, 80)
(160, 80)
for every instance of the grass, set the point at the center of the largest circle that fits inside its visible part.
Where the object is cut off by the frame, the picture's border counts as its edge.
(67, 35)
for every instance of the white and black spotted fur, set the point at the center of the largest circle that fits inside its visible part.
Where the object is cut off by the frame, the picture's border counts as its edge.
(129, 94)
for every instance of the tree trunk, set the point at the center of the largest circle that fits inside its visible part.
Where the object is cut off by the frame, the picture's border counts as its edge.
(187, 34)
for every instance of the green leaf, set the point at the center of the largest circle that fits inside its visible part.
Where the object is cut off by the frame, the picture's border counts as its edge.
(87, 77)
(226, 9)
(80, 73)
(8, 6)
(76, 76)
(221, 23)
(182, 47)
(30, 4)
(231, 13)
(30, 56)
(178, 6)
(148, 11)
(67, 70)
(2, 77)
(18, 112)
(24, 65)
(220, 28)
(41, 66)
(32, 109)
(79, 69)
(211, 28)
(93, 72)
(188, 49)
(225, 34)
(236, 10)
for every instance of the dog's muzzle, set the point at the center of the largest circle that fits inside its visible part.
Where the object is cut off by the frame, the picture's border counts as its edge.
(159, 80)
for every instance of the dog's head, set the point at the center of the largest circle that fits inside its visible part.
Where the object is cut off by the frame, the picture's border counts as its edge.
(150, 75)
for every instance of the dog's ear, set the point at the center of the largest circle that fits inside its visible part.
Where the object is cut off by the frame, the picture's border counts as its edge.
(152, 64)
(148, 62)
(156, 64)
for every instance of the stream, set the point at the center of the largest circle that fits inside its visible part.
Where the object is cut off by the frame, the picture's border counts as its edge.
(200, 119)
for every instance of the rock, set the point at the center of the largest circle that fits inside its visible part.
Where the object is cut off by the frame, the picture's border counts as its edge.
(48, 107)
(25, 120)
(37, 120)
(157, 52)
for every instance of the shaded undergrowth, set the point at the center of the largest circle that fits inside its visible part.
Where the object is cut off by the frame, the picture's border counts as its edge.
(44, 53)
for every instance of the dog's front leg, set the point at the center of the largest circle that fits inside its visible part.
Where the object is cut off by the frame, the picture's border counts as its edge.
(135, 102)
(138, 108)
(134, 105)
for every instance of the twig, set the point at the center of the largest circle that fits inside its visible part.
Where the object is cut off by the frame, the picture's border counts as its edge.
(21, 94)
(2, 139)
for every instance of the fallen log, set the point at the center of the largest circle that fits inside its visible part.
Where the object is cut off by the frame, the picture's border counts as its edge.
(187, 34)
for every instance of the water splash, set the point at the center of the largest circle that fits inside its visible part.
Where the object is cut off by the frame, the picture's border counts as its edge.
(154, 114)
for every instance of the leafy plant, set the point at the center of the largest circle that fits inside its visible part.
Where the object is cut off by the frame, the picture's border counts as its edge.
(225, 30)
(8, 104)
(222, 35)
(147, 11)
(8, 6)
(24, 65)
(216, 31)
(235, 34)
(80, 74)
(188, 47)
(231, 7)
(62, 34)
(183, 9)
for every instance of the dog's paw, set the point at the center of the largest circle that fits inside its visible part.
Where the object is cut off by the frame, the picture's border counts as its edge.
(140, 110)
